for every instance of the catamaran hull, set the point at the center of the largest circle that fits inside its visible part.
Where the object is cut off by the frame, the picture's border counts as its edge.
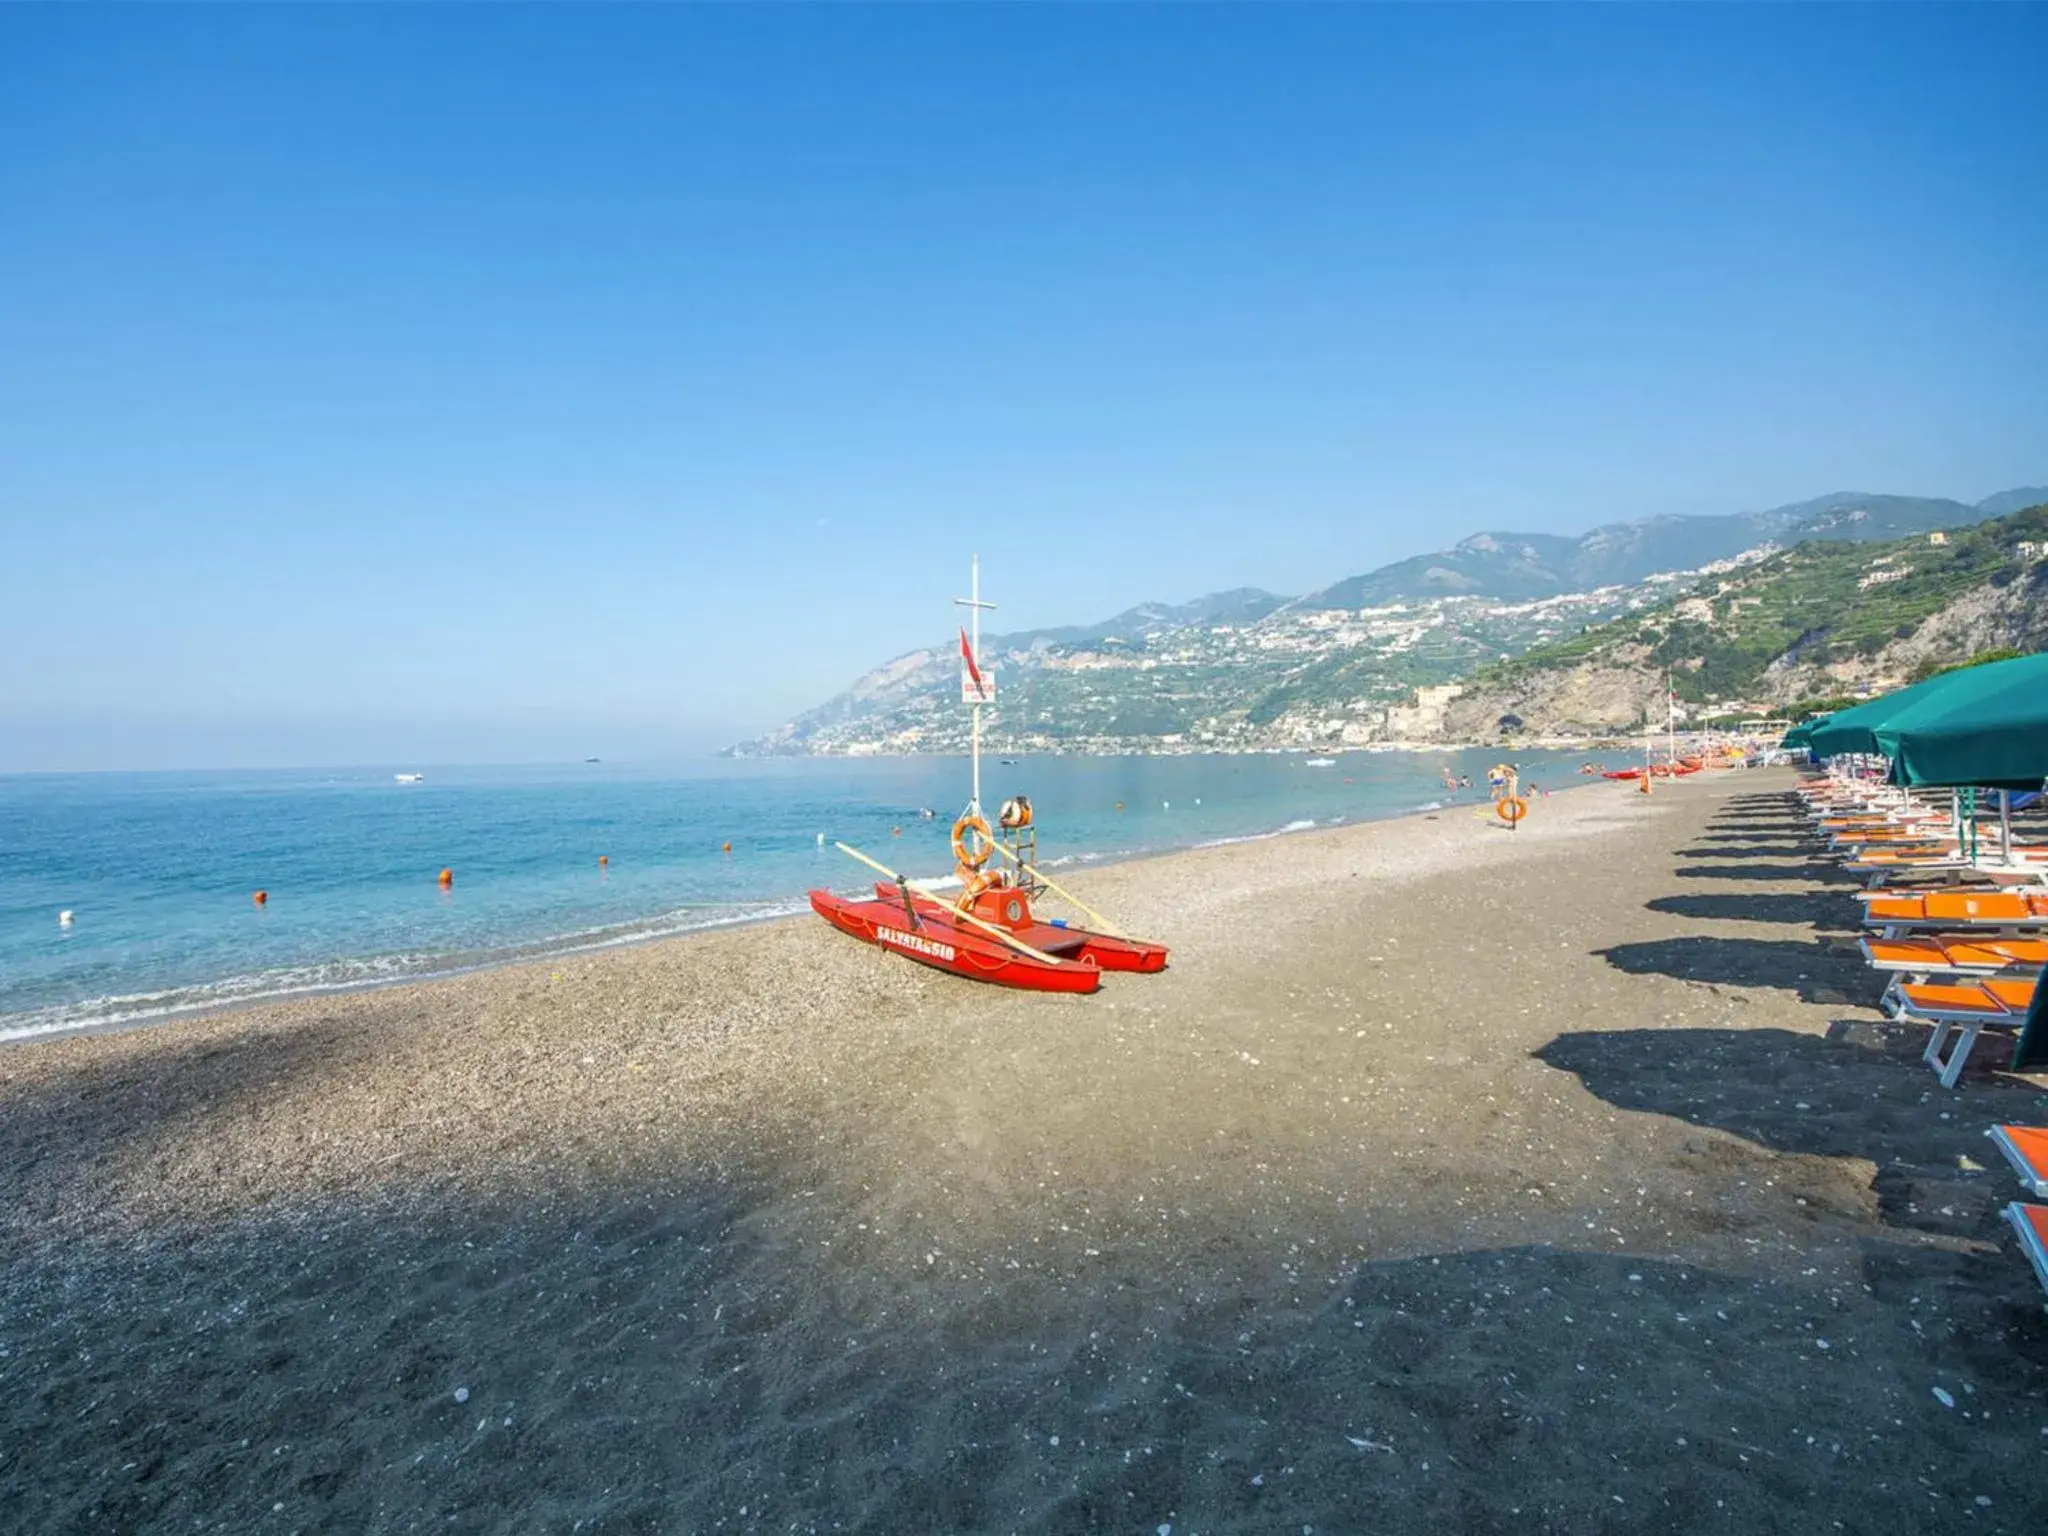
(1107, 950)
(952, 947)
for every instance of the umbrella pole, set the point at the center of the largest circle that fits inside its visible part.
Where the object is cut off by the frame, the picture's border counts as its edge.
(2005, 825)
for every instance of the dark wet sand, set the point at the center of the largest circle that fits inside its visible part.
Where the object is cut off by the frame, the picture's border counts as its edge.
(1450, 1180)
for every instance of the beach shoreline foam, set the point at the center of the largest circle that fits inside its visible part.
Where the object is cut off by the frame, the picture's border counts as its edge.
(1449, 1179)
(372, 972)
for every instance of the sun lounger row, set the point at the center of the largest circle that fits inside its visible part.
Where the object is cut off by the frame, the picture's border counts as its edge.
(2026, 1148)
(1961, 960)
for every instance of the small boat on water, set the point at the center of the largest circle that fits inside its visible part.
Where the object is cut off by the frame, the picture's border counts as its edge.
(410, 778)
(991, 931)
(1320, 762)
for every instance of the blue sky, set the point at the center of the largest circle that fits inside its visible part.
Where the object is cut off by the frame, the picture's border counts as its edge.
(472, 383)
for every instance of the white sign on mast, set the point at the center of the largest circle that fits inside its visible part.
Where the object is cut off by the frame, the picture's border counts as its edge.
(985, 693)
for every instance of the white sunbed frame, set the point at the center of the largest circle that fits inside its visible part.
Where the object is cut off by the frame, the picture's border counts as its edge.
(1967, 1027)
(2035, 1182)
(2030, 1240)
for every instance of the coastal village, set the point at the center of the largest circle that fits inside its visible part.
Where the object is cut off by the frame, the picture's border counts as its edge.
(1569, 669)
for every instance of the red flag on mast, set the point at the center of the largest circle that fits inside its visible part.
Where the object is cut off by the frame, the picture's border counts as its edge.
(967, 655)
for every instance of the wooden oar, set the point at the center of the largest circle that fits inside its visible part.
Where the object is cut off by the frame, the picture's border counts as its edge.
(1059, 890)
(966, 917)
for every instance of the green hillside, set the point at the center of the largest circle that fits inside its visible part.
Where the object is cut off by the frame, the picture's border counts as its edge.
(1822, 601)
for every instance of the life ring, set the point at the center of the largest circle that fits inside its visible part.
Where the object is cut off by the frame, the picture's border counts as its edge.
(1511, 808)
(974, 881)
(977, 824)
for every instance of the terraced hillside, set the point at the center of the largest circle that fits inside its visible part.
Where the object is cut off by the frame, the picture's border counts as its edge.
(1823, 618)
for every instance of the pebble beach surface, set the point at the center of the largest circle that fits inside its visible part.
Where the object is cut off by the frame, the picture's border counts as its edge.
(1450, 1179)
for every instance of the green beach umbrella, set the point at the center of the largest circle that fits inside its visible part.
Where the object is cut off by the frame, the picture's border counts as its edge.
(1987, 727)
(1853, 729)
(1801, 735)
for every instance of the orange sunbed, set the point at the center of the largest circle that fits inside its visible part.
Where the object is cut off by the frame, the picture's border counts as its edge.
(1933, 954)
(1956, 909)
(1962, 1007)
(2026, 1148)
(2031, 1222)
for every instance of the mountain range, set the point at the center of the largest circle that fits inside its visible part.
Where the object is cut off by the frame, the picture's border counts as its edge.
(1821, 621)
(1523, 566)
(1244, 667)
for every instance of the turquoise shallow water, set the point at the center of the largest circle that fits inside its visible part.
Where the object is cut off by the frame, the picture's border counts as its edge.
(159, 868)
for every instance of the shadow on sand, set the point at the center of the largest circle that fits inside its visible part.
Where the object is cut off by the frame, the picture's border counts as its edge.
(1814, 973)
(1822, 910)
(628, 1365)
(1781, 874)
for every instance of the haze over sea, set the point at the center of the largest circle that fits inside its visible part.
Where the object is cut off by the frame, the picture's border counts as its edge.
(160, 868)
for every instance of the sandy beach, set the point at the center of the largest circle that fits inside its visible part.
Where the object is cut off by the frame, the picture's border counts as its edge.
(1450, 1179)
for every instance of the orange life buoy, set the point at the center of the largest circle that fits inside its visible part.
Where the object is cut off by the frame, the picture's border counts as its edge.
(973, 882)
(1511, 808)
(977, 824)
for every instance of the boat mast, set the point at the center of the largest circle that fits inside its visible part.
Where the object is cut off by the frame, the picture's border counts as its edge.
(973, 604)
(1670, 717)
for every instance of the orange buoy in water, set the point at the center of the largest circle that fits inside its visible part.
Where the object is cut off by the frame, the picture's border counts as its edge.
(725, 848)
(260, 897)
(447, 878)
(603, 859)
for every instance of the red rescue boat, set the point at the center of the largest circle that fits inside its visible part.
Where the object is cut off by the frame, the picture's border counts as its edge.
(1009, 907)
(910, 930)
(989, 932)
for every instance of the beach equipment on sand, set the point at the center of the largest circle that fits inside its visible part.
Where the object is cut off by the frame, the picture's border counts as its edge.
(956, 941)
(2026, 1148)
(2031, 1223)
(1897, 912)
(1800, 737)
(1920, 958)
(1511, 809)
(1853, 729)
(1985, 727)
(989, 932)
(1967, 1009)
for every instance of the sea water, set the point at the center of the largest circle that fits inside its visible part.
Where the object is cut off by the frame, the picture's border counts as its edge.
(159, 869)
